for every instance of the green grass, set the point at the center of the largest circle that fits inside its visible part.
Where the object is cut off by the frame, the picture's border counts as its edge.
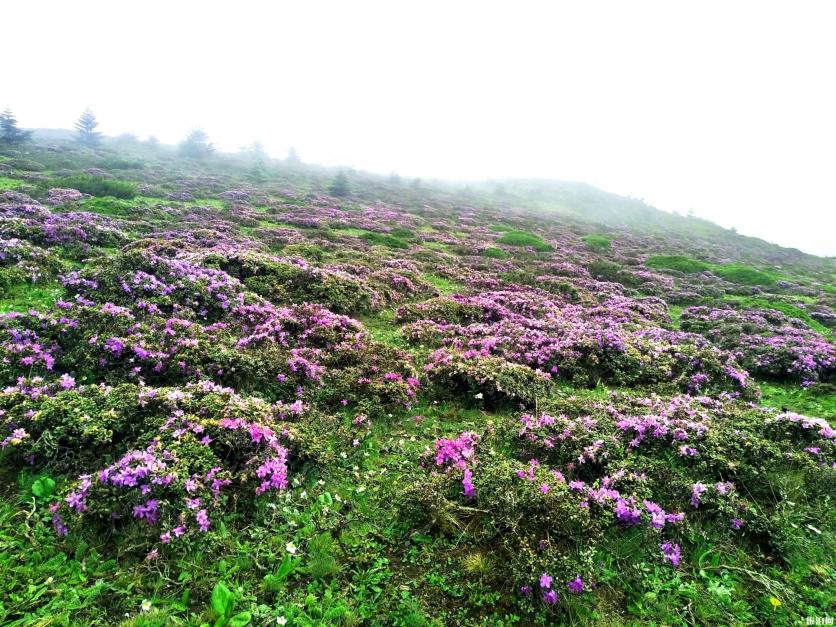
(26, 296)
(744, 275)
(523, 239)
(679, 263)
(818, 401)
(98, 186)
(675, 312)
(7, 183)
(384, 239)
(598, 242)
(494, 253)
(445, 286)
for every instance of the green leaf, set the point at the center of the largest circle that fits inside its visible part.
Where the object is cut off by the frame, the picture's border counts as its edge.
(240, 619)
(222, 599)
(43, 487)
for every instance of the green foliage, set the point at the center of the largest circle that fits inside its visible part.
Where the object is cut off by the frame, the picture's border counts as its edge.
(523, 239)
(743, 274)
(339, 186)
(223, 604)
(43, 487)
(85, 129)
(494, 253)
(10, 134)
(679, 263)
(196, 145)
(384, 239)
(98, 186)
(598, 242)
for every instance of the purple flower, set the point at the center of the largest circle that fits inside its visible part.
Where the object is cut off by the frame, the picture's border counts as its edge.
(671, 553)
(696, 492)
(736, 523)
(545, 581)
(550, 597)
(202, 520)
(576, 585)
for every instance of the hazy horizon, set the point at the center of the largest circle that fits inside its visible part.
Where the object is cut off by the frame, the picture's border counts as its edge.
(724, 110)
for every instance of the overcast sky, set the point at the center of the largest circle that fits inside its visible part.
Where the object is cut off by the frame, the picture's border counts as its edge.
(724, 108)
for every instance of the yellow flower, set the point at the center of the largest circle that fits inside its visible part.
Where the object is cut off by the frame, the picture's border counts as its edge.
(775, 603)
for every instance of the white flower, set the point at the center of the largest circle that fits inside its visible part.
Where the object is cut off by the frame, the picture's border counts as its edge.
(146, 605)
(290, 548)
(479, 395)
(281, 620)
(361, 488)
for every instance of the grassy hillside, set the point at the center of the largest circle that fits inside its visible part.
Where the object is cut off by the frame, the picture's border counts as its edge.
(231, 398)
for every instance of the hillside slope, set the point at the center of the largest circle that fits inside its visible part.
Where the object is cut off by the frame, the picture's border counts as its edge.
(244, 390)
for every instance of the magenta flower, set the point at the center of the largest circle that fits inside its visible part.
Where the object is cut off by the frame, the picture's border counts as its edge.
(545, 581)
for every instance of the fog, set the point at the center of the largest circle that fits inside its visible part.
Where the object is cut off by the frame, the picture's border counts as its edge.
(727, 109)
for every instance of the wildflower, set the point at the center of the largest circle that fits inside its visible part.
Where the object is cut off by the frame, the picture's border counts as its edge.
(696, 492)
(576, 585)
(146, 605)
(202, 520)
(281, 620)
(736, 523)
(526, 590)
(776, 603)
(544, 488)
(545, 581)
(671, 553)
(290, 548)
(550, 597)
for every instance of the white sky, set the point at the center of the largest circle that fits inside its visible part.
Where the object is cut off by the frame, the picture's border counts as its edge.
(727, 108)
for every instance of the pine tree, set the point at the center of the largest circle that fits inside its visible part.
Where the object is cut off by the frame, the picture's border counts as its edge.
(196, 145)
(85, 129)
(339, 186)
(9, 132)
(293, 156)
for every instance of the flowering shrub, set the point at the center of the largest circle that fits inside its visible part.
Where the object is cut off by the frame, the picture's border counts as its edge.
(768, 342)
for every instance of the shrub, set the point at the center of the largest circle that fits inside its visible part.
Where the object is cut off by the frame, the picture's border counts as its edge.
(97, 186)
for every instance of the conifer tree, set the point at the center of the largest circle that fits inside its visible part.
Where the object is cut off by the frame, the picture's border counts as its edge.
(293, 156)
(85, 129)
(197, 145)
(339, 186)
(9, 132)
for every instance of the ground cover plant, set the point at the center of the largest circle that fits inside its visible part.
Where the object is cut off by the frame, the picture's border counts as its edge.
(239, 391)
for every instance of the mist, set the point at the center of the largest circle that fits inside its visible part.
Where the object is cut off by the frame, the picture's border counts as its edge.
(722, 109)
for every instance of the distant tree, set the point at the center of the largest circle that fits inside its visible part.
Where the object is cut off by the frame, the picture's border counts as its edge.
(293, 156)
(85, 129)
(196, 145)
(416, 183)
(152, 140)
(9, 132)
(255, 151)
(395, 178)
(339, 186)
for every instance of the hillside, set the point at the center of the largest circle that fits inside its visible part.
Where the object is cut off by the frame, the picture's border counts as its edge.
(252, 391)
